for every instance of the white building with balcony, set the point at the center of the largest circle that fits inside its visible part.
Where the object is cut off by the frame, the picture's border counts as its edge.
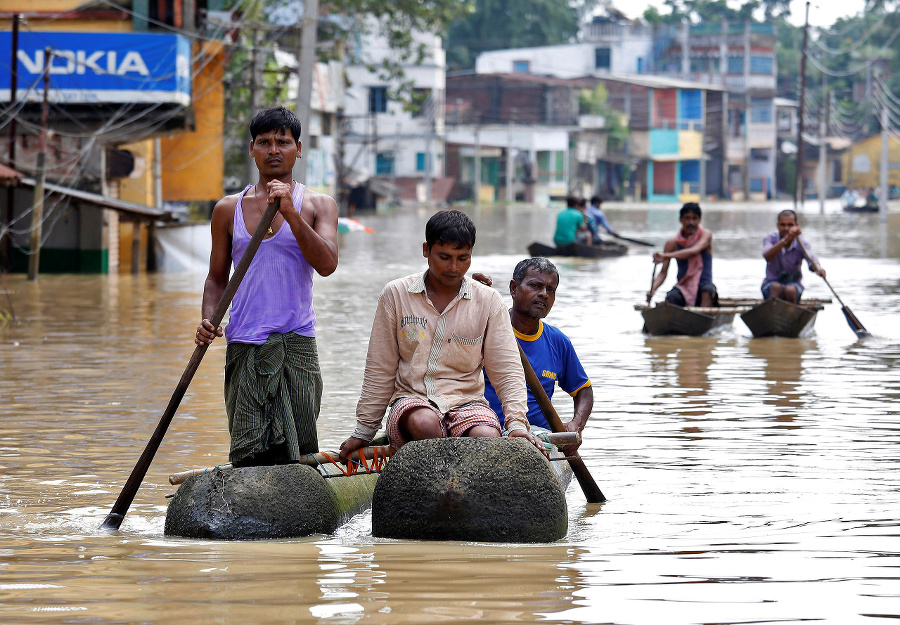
(383, 138)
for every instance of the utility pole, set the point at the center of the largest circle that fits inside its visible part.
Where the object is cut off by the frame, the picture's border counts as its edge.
(883, 190)
(476, 184)
(798, 174)
(13, 97)
(823, 146)
(254, 99)
(510, 165)
(393, 199)
(37, 211)
(339, 138)
(340, 143)
(306, 63)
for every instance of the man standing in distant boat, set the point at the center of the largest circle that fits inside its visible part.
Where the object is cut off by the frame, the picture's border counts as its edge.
(433, 334)
(550, 352)
(571, 225)
(273, 386)
(692, 250)
(783, 251)
(597, 218)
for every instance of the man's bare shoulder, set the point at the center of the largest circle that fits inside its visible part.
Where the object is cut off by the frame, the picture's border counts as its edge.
(320, 203)
(226, 206)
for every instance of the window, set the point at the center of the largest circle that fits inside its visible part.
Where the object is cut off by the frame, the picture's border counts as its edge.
(761, 65)
(420, 161)
(384, 163)
(521, 67)
(735, 65)
(378, 99)
(640, 65)
(761, 111)
(601, 58)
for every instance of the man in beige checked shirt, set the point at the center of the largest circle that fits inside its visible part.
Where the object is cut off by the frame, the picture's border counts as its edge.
(432, 335)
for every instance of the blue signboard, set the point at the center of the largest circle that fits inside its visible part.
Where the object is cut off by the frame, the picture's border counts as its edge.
(99, 68)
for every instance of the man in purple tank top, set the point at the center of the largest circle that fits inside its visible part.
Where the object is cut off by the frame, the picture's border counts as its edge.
(273, 385)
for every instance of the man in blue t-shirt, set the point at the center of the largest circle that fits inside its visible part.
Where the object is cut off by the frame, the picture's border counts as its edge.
(550, 352)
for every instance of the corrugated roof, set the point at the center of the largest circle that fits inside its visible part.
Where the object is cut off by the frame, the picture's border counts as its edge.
(121, 206)
(661, 82)
(9, 176)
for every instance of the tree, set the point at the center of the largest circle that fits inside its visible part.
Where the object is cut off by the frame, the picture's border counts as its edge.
(594, 102)
(505, 24)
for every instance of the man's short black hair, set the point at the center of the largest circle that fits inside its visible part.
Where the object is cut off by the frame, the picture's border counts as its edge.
(596, 200)
(275, 118)
(690, 207)
(450, 227)
(538, 263)
(787, 213)
(581, 202)
(571, 201)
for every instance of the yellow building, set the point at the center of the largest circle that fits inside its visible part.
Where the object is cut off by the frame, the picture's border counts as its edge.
(184, 162)
(862, 163)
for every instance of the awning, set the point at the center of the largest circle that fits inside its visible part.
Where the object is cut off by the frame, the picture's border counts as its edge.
(9, 177)
(130, 208)
(669, 158)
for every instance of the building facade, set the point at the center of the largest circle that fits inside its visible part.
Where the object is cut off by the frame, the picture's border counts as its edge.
(397, 145)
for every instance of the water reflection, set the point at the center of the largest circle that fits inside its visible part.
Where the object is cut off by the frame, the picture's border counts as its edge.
(689, 359)
(782, 360)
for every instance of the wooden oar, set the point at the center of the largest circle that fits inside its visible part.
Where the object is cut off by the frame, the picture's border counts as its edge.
(854, 323)
(560, 439)
(120, 508)
(652, 280)
(630, 240)
(649, 296)
(591, 491)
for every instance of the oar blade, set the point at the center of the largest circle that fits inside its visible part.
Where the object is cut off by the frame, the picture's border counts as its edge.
(112, 522)
(855, 324)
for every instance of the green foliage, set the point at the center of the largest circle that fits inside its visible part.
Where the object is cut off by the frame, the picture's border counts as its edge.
(505, 24)
(699, 11)
(593, 102)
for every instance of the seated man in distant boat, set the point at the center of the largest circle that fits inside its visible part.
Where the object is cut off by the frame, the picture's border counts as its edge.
(273, 386)
(433, 334)
(849, 197)
(597, 218)
(571, 225)
(550, 352)
(784, 254)
(692, 250)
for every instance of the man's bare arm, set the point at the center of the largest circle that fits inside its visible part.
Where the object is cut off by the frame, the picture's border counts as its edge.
(316, 234)
(664, 270)
(584, 404)
(704, 242)
(219, 268)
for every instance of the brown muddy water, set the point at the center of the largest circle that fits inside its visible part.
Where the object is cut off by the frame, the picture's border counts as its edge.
(749, 480)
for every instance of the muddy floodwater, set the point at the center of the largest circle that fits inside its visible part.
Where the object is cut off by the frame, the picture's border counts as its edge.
(749, 480)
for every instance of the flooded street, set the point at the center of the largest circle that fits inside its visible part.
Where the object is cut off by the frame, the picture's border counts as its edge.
(749, 480)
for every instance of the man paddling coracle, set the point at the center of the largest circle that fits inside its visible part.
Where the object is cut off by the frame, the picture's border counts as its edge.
(433, 333)
(273, 385)
(784, 254)
(692, 250)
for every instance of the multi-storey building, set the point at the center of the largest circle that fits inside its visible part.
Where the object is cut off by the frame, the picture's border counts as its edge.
(736, 60)
(399, 146)
(739, 57)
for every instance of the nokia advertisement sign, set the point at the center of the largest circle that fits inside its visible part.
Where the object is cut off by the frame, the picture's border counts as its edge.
(98, 68)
